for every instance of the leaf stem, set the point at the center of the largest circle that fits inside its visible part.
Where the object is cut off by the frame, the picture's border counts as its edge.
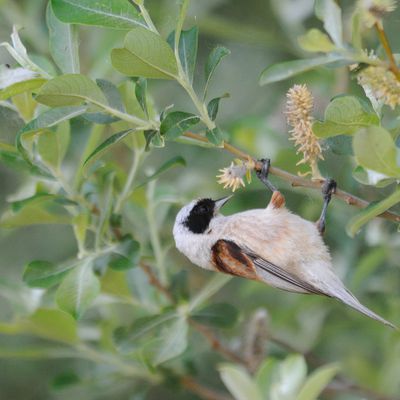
(154, 238)
(129, 181)
(297, 181)
(385, 43)
(146, 17)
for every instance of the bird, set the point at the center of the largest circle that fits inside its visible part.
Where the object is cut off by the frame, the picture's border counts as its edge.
(270, 245)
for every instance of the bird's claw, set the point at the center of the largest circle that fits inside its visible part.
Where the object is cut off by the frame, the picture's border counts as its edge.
(262, 174)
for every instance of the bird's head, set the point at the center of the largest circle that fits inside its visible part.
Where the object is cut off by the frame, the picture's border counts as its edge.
(196, 216)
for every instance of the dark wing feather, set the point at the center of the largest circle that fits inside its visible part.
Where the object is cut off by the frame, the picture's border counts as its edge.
(232, 259)
(280, 273)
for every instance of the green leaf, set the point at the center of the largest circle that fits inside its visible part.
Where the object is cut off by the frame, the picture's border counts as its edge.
(213, 106)
(375, 149)
(63, 43)
(21, 87)
(78, 290)
(39, 209)
(70, 90)
(53, 325)
(10, 124)
(215, 136)
(105, 146)
(373, 210)
(281, 71)
(330, 13)
(140, 94)
(188, 42)
(315, 40)
(145, 54)
(373, 178)
(345, 115)
(127, 339)
(46, 120)
(126, 255)
(114, 100)
(52, 146)
(214, 58)
(265, 375)
(340, 145)
(172, 163)
(116, 14)
(212, 287)
(290, 376)
(239, 382)
(176, 123)
(317, 382)
(45, 274)
(221, 315)
(174, 341)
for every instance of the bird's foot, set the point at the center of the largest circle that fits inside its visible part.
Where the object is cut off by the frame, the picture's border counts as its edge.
(328, 189)
(262, 174)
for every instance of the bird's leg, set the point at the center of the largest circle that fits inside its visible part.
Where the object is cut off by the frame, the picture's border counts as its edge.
(277, 199)
(328, 188)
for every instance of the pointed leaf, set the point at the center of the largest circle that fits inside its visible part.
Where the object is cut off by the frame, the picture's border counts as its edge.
(45, 274)
(317, 382)
(215, 136)
(126, 255)
(173, 162)
(176, 123)
(375, 149)
(345, 115)
(140, 93)
(78, 290)
(372, 211)
(239, 382)
(63, 43)
(145, 54)
(21, 87)
(105, 146)
(281, 71)
(174, 341)
(330, 13)
(221, 315)
(70, 90)
(53, 324)
(315, 40)
(116, 14)
(214, 58)
(213, 106)
(46, 120)
(188, 42)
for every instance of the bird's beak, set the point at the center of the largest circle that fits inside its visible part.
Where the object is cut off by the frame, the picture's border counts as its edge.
(220, 202)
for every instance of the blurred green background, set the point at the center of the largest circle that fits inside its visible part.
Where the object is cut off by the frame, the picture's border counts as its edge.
(258, 33)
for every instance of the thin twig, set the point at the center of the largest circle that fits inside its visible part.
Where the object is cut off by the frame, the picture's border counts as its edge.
(298, 181)
(216, 344)
(385, 43)
(202, 391)
(154, 281)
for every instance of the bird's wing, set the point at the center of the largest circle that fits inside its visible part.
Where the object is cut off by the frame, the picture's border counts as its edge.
(232, 259)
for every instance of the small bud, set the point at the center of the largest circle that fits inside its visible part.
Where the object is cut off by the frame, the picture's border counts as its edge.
(372, 11)
(232, 176)
(298, 112)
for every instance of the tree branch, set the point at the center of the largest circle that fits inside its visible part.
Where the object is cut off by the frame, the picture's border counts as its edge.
(298, 181)
(385, 44)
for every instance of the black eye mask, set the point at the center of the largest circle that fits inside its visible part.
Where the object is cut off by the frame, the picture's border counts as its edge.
(200, 216)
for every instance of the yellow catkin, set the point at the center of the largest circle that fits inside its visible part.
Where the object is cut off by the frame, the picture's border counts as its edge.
(372, 11)
(382, 83)
(299, 106)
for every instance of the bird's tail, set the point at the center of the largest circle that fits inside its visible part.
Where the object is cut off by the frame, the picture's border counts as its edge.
(348, 298)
